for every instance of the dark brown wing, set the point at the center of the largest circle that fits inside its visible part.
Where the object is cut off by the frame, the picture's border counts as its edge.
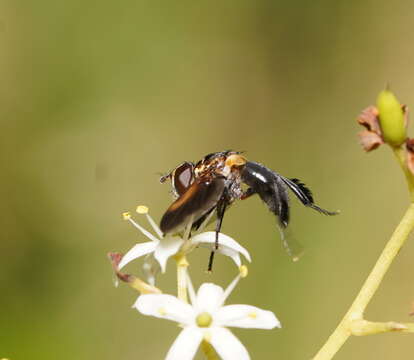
(199, 199)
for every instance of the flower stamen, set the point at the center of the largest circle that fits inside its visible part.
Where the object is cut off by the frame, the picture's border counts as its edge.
(243, 271)
(230, 288)
(141, 209)
(140, 228)
(161, 248)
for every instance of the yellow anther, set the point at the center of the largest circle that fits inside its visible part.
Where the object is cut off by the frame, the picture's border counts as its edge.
(243, 271)
(252, 315)
(204, 319)
(141, 209)
(126, 215)
(162, 311)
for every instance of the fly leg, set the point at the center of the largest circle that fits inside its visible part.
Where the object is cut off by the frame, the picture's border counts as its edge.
(246, 194)
(221, 208)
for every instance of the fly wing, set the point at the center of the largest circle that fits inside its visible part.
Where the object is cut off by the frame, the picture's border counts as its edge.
(200, 198)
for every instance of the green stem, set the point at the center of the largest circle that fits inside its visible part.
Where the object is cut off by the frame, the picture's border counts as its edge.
(356, 311)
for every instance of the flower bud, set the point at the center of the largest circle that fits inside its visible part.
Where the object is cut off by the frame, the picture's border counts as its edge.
(391, 118)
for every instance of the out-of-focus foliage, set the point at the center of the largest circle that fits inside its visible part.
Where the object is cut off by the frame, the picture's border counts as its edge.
(98, 97)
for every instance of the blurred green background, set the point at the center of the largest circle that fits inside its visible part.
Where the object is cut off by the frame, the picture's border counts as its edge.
(99, 97)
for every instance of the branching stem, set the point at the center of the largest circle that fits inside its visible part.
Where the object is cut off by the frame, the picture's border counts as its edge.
(353, 322)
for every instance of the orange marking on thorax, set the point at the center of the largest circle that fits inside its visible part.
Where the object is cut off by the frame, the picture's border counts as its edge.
(235, 160)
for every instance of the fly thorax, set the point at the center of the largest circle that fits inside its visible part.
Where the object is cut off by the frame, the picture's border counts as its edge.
(234, 188)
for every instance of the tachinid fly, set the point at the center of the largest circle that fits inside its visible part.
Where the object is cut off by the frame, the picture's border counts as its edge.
(215, 182)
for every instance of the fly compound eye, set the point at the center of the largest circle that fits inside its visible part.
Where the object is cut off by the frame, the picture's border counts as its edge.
(182, 177)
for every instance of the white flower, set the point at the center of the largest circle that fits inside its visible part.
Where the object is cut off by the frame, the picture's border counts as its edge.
(206, 319)
(163, 247)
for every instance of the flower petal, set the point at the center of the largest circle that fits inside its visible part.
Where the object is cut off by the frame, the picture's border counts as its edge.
(165, 307)
(209, 298)
(165, 248)
(186, 344)
(150, 268)
(227, 245)
(233, 255)
(227, 345)
(246, 316)
(137, 251)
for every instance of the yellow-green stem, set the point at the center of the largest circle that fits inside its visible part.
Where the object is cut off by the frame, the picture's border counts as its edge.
(141, 286)
(182, 265)
(364, 327)
(356, 311)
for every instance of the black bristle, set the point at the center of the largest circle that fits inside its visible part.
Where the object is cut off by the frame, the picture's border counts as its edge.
(305, 190)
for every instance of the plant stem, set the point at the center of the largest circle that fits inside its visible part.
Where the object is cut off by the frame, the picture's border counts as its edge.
(182, 265)
(141, 286)
(364, 327)
(356, 311)
(133, 281)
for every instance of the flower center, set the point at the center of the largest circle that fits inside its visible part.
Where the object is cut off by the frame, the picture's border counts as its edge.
(204, 319)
